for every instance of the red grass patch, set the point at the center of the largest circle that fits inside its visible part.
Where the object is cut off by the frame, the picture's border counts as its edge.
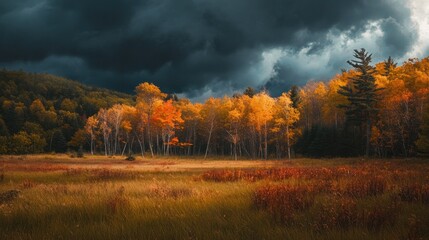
(366, 187)
(283, 201)
(414, 193)
(278, 174)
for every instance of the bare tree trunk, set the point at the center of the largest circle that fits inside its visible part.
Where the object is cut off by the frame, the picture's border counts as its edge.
(288, 141)
(130, 146)
(168, 145)
(149, 138)
(266, 141)
(92, 144)
(194, 147)
(116, 143)
(123, 150)
(105, 146)
(208, 141)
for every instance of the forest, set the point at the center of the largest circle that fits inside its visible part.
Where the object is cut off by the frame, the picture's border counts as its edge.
(379, 110)
(41, 112)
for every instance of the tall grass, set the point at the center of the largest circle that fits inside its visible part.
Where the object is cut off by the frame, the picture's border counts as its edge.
(380, 200)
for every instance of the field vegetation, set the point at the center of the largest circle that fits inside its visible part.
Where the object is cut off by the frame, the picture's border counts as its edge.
(58, 197)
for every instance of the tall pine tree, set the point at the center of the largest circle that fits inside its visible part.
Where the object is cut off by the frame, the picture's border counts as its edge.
(294, 96)
(361, 95)
(389, 65)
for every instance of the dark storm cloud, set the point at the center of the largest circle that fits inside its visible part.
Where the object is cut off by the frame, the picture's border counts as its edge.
(397, 39)
(182, 46)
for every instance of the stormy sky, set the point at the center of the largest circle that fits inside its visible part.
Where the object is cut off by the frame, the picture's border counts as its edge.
(201, 48)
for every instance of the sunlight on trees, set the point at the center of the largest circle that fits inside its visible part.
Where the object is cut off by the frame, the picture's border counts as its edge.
(377, 110)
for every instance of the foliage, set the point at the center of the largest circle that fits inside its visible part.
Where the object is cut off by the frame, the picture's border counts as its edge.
(304, 121)
(50, 107)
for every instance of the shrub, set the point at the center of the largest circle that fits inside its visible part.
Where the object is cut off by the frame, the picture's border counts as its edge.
(26, 184)
(414, 193)
(338, 213)
(130, 158)
(8, 196)
(166, 192)
(365, 187)
(80, 152)
(283, 201)
(380, 215)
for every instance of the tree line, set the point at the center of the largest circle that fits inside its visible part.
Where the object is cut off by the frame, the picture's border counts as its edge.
(376, 110)
(42, 112)
(380, 110)
(252, 125)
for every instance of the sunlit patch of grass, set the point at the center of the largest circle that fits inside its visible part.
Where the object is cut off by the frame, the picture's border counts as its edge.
(123, 201)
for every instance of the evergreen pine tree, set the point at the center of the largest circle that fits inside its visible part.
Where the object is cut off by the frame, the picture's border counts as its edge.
(361, 94)
(389, 65)
(59, 142)
(294, 96)
(249, 92)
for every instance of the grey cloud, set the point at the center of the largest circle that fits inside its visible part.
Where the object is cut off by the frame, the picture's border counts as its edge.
(397, 39)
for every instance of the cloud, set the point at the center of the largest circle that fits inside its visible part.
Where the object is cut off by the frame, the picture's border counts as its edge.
(195, 47)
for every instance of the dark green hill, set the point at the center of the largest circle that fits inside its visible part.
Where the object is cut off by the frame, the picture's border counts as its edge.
(48, 107)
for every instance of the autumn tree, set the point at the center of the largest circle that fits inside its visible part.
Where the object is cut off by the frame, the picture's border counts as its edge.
(210, 118)
(312, 97)
(128, 126)
(285, 116)
(91, 127)
(261, 112)
(235, 121)
(23, 142)
(191, 114)
(114, 118)
(139, 122)
(168, 118)
(106, 129)
(149, 97)
(79, 139)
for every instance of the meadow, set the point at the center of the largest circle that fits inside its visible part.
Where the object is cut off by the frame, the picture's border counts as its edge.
(96, 197)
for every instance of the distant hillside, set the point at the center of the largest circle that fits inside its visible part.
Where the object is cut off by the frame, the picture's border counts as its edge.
(48, 106)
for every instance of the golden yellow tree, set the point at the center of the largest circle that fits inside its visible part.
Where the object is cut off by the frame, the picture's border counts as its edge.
(285, 116)
(235, 120)
(91, 128)
(261, 112)
(191, 114)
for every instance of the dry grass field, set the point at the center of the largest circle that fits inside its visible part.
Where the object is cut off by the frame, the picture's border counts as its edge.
(96, 197)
